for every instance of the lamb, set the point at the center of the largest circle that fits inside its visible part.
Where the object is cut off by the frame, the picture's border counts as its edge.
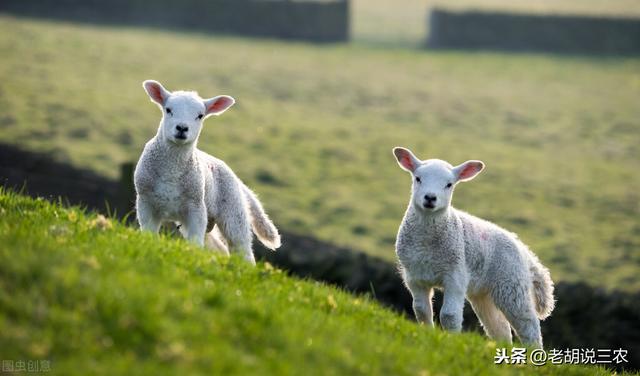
(176, 182)
(439, 246)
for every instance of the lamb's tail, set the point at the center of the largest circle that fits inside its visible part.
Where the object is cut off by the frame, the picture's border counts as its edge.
(542, 288)
(264, 229)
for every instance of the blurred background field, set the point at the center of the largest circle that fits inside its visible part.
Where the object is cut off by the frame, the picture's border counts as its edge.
(405, 23)
(314, 125)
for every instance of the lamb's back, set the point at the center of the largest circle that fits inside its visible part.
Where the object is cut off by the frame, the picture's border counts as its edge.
(490, 248)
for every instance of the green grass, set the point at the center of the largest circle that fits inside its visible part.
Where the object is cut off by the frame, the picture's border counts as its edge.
(92, 296)
(313, 129)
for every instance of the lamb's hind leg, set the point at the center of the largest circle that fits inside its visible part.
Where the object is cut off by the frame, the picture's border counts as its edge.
(493, 321)
(227, 205)
(213, 241)
(514, 300)
(238, 236)
(236, 229)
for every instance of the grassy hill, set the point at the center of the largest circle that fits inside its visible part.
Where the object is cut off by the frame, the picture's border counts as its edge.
(313, 129)
(94, 297)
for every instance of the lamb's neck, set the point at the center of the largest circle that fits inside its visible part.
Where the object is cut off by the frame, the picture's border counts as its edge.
(176, 153)
(433, 221)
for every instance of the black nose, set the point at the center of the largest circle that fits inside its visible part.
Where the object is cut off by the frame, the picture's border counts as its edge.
(182, 128)
(430, 198)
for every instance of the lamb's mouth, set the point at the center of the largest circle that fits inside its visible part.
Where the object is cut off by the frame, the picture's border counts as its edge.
(180, 136)
(429, 205)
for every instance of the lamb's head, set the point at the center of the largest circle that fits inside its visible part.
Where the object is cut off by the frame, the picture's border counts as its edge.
(183, 112)
(433, 179)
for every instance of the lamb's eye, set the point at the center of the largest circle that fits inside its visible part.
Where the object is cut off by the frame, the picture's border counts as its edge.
(418, 179)
(449, 185)
(200, 116)
(168, 110)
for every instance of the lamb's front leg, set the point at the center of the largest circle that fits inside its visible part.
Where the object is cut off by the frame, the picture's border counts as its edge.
(453, 304)
(195, 223)
(147, 219)
(422, 303)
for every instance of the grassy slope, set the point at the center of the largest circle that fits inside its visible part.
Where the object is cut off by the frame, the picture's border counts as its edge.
(95, 297)
(314, 126)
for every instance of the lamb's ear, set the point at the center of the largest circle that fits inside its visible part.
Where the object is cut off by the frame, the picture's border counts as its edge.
(156, 91)
(406, 159)
(468, 170)
(218, 105)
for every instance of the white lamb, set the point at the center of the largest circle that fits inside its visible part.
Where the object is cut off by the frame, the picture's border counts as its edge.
(177, 182)
(442, 247)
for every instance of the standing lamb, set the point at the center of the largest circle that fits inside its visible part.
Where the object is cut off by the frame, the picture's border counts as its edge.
(442, 247)
(177, 182)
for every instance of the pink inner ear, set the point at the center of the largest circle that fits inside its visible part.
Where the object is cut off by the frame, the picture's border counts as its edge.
(156, 93)
(469, 170)
(219, 105)
(406, 161)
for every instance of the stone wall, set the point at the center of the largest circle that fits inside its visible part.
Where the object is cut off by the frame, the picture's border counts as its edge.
(311, 20)
(523, 32)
